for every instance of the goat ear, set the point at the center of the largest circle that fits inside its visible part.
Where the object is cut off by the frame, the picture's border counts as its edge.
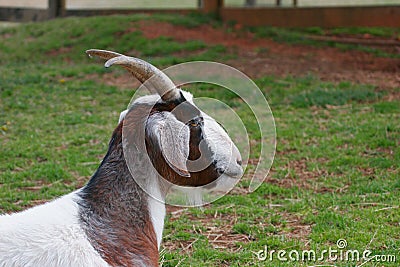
(174, 142)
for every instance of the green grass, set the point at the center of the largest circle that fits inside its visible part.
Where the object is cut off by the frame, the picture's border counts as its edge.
(53, 41)
(335, 175)
(302, 36)
(371, 31)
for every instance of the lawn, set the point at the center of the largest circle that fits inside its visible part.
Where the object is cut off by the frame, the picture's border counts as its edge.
(335, 174)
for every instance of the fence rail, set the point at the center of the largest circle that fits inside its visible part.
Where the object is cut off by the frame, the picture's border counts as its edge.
(383, 16)
(326, 17)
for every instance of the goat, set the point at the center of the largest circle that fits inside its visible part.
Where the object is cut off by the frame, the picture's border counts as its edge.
(112, 220)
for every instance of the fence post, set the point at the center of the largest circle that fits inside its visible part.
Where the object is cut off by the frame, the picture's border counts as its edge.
(56, 8)
(212, 6)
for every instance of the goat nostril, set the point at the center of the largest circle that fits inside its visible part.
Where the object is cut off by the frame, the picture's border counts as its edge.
(239, 162)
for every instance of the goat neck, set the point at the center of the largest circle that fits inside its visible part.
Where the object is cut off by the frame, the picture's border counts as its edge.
(115, 212)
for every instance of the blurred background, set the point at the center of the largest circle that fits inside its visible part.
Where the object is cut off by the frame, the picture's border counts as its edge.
(330, 71)
(76, 4)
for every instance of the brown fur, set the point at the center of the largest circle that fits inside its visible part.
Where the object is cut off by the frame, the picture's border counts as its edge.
(183, 112)
(114, 208)
(115, 212)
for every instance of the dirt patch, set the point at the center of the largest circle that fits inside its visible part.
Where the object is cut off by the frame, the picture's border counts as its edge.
(260, 57)
(222, 236)
(298, 175)
(392, 95)
(296, 228)
(219, 236)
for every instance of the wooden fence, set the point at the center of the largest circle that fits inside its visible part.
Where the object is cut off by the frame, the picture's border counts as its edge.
(382, 16)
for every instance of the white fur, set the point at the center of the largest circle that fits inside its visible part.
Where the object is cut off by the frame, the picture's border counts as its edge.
(157, 213)
(46, 235)
(225, 152)
(51, 234)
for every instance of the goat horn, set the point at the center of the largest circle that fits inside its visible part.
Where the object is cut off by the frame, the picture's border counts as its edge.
(141, 70)
(102, 53)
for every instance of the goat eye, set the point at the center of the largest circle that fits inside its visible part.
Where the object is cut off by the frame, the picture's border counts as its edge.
(193, 123)
(196, 122)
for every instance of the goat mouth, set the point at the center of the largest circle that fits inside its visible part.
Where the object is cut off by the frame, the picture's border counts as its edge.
(237, 174)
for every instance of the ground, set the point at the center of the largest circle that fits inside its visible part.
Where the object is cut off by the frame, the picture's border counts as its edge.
(336, 108)
(258, 57)
(264, 57)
